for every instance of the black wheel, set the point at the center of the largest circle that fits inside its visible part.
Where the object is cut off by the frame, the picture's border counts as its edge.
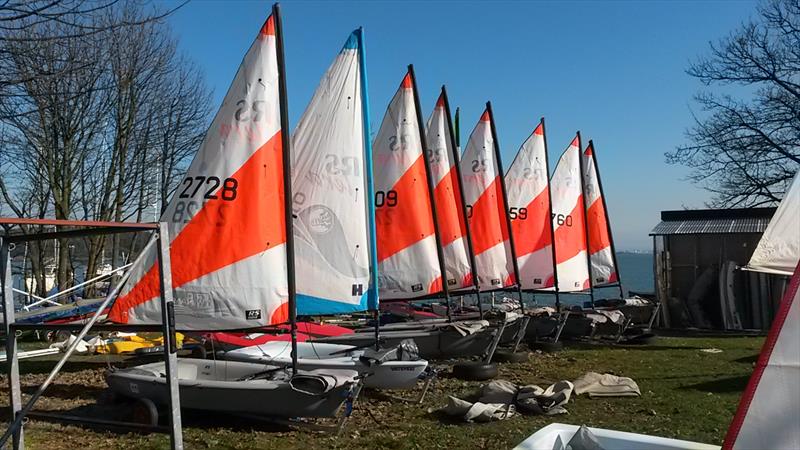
(548, 347)
(144, 411)
(507, 356)
(641, 339)
(474, 371)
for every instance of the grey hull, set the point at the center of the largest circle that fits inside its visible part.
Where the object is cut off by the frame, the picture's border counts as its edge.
(220, 387)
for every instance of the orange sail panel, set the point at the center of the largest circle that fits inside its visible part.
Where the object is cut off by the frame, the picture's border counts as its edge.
(408, 264)
(601, 256)
(568, 221)
(226, 219)
(486, 209)
(529, 210)
(447, 196)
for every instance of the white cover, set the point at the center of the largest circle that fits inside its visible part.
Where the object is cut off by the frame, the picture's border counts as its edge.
(447, 196)
(768, 416)
(779, 248)
(529, 209)
(568, 221)
(483, 196)
(227, 241)
(329, 193)
(600, 252)
(408, 264)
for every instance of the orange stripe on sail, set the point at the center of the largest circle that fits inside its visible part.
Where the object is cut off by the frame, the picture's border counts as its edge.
(488, 223)
(448, 209)
(533, 232)
(571, 239)
(223, 232)
(409, 220)
(599, 238)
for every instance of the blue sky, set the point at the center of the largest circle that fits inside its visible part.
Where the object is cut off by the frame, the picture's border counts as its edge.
(613, 70)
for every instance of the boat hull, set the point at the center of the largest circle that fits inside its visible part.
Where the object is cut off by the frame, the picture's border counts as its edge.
(218, 386)
(556, 436)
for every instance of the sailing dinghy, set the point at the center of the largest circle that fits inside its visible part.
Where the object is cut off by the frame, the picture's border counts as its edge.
(333, 253)
(232, 266)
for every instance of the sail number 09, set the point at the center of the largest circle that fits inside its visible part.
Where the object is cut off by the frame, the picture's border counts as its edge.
(388, 198)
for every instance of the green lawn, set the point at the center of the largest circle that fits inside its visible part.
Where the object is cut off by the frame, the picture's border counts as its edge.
(686, 394)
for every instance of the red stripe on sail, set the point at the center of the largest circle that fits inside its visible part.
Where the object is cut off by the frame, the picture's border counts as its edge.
(487, 222)
(539, 131)
(268, 29)
(440, 101)
(599, 238)
(406, 223)
(533, 232)
(571, 239)
(406, 83)
(436, 286)
(223, 232)
(448, 209)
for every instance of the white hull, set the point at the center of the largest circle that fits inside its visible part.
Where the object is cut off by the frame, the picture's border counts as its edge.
(556, 436)
(311, 355)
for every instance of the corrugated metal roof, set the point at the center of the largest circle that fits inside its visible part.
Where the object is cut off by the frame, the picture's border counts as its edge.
(712, 226)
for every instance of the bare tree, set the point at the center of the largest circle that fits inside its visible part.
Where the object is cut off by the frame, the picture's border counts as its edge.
(745, 146)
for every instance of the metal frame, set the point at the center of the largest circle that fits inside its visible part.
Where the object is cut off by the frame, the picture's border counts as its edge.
(161, 239)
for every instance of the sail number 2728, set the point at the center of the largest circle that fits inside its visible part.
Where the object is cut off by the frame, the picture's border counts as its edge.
(207, 188)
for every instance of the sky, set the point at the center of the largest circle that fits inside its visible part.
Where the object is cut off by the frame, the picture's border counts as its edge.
(615, 70)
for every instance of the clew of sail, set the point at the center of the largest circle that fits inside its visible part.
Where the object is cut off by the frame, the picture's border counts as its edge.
(527, 186)
(226, 219)
(408, 265)
(778, 251)
(442, 159)
(568, 221)
(483, 194)
(601, 252)
(330, 192)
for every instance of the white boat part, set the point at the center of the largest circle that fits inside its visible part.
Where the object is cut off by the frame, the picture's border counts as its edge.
(556, 436)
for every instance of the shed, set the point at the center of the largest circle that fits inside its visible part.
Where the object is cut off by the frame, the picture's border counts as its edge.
(697, 256)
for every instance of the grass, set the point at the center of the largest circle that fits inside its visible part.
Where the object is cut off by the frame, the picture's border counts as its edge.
(686, 394)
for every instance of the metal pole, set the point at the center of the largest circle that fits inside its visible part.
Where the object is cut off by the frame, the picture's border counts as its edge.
(429, 177)
(373, 293)
(17, 422)
(454, 146)
(168, 324)
(15, 389)
(287, 183)
(501, 177)
(550, 214)
(608, 222)
(585, 221)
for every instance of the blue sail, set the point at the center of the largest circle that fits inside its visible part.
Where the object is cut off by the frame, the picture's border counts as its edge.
(332, 192)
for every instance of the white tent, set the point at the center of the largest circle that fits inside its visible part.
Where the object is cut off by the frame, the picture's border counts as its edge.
(778, 251)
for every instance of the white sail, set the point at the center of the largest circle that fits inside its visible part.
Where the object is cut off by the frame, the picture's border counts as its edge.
(329, 193)
(568, 221)
(408, 264)
(486, 209)
(447, 197)
(601, 254)
(779, 248)
(768, 415)
(226, 219)
(527, 185)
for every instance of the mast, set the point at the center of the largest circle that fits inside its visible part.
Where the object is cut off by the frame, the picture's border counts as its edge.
(608, 221)
(373, 239)
(287, 183)
(501, 176)
(550, 216)
(458, 130)
(457, 164)
(585, 221)
(429, 177)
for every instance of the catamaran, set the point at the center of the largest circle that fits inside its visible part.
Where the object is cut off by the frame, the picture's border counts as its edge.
(230, 226)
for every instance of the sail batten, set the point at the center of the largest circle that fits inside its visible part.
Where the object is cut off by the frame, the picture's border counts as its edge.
(226, 219)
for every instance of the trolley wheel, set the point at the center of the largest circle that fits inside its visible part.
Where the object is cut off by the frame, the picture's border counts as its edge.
(474, 371)
(548, 347)
(144, 411)
(506, 356)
